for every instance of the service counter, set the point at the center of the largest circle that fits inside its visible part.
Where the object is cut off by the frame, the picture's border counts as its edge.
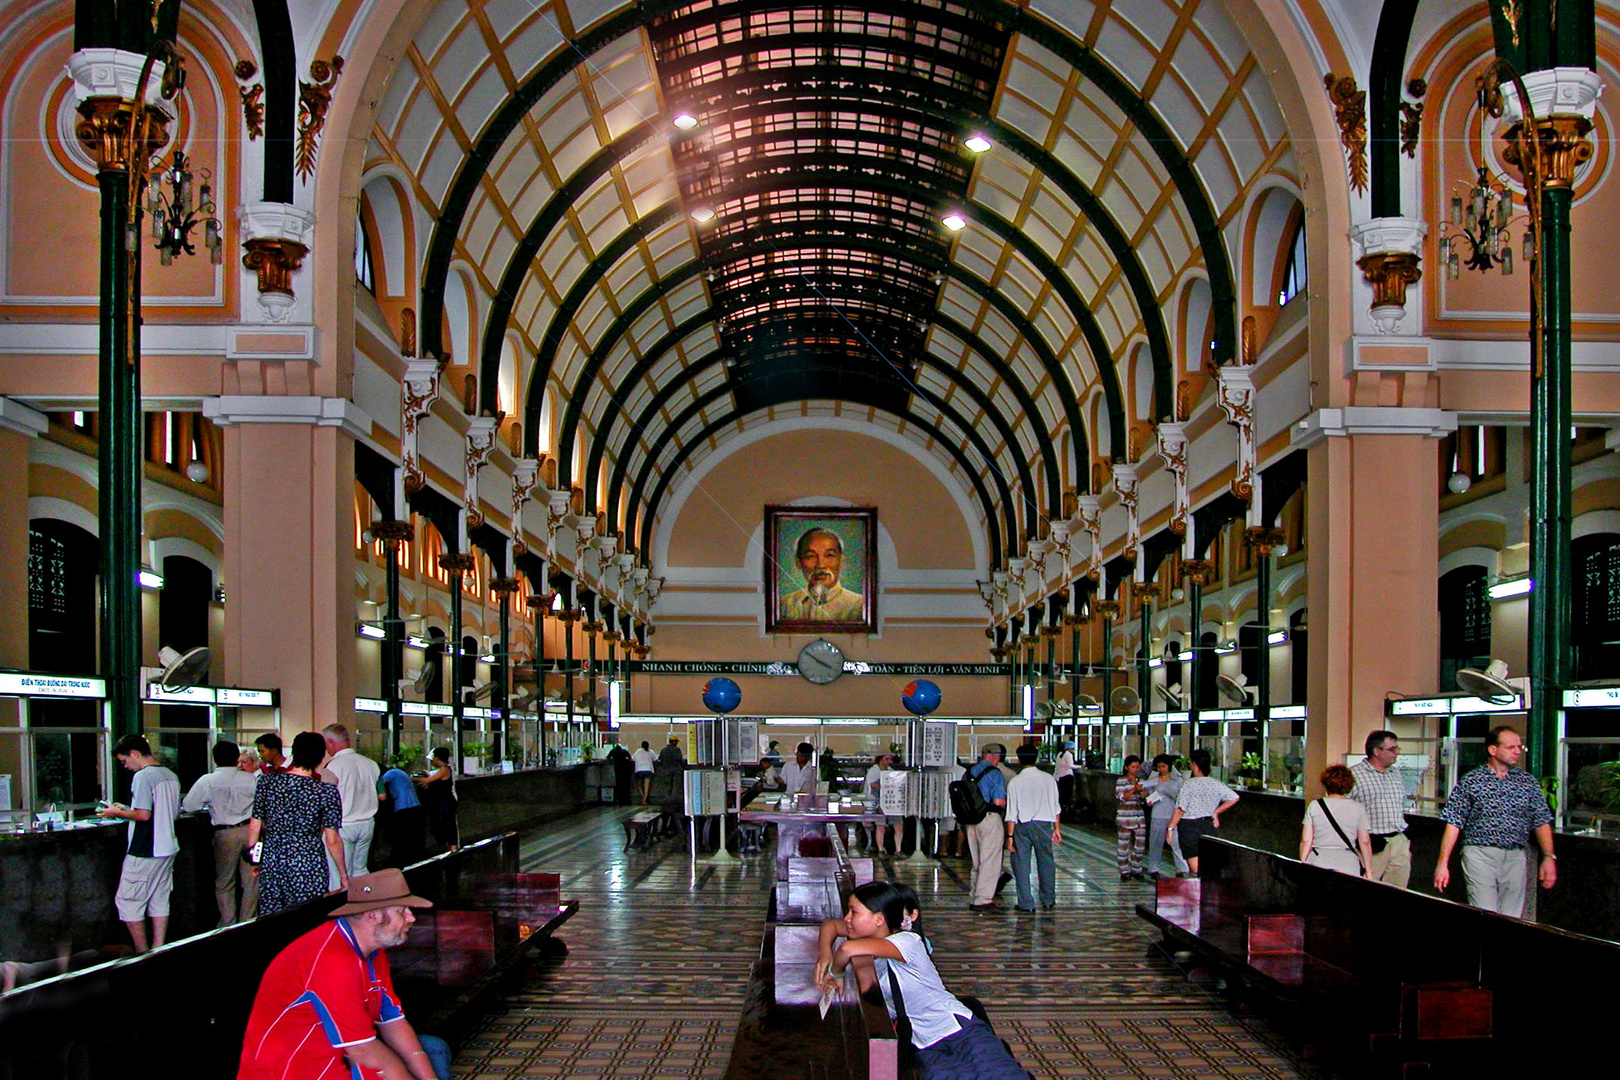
(501, 802)
(57, 887)
(1585, 900)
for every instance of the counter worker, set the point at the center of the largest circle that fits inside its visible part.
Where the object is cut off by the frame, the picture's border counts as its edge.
(798, 778)
(1381, 790)
(872, 796)
(227, 795)
(356, 778)
(326, 1006)
(1064, 775)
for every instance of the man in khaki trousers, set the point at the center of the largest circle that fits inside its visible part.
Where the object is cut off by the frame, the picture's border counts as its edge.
(987, 839)
(227, 795)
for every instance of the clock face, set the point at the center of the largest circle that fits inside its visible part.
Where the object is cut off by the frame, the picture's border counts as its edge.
(821, 662)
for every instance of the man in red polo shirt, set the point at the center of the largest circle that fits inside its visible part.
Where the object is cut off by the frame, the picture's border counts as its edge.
(326, 1008)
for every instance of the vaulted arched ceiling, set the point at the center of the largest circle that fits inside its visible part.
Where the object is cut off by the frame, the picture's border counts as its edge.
(672, 286)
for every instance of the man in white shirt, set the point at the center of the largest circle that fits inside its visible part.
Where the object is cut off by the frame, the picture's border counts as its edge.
(355, 776)
(227, 795)
(147, 877)
(1033, 829)
(798, 774)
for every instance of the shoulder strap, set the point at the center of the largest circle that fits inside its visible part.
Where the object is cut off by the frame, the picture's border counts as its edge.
(974, 778)
(1333, 822)
(902, 1023)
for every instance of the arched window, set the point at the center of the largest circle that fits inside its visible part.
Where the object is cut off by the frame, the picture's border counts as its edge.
(365, 270)
(1465, 622)
(1293, 276)
(1596, 605)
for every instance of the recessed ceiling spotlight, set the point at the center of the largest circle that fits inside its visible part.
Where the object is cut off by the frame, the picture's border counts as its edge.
(701, 214)
(939, 279)
(711, 276)
(976, 143)
(955, 222)
(685, 121)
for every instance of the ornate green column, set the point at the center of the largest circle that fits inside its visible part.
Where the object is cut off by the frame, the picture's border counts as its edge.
(1544, 86)
(1108, 611)
(1195, 573)
(1144, 591)
(541, 603)
(121, 136)
(456, 565)
(501, 699)
(392, 534)
(1262, 540)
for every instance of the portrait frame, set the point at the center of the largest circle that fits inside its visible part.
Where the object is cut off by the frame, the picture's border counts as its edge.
(856, 528)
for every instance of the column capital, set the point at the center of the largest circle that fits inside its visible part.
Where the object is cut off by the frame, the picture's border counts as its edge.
(1372, 420)
(278, 409)
(1564, 91)
(115, 73)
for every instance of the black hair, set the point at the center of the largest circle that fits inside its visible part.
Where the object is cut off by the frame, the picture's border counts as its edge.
(1376, 739)
(1200, 760)
(132, 744)
(308, 749)
(644, 745)
(1130, 758)
(892, 899)
(226, 753)
(1167, 759)
(806, 749)
(442, 753)
(269, 740)
(1027, 754)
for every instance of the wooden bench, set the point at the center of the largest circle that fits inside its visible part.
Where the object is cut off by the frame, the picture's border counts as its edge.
(781, 1032)
(1374, 980)
(642, 828)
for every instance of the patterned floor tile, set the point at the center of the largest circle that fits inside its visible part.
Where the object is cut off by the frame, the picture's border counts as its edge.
(662, 946)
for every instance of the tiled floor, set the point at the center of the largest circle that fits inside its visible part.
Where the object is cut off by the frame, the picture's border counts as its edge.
(661, 947)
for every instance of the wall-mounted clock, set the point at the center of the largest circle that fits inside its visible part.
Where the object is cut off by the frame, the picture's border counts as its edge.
(820, 662)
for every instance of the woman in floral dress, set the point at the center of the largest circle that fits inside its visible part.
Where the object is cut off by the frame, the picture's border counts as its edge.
(298, 817)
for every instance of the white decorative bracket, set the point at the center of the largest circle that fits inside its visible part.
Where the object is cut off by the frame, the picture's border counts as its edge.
(525, 475)
(1173, 452)
(1569, 91)
(1391, 257)
(1128, 485)
(417, 393)
(276, 238)
(1235, 392)
(482, 431)
(1088, 515)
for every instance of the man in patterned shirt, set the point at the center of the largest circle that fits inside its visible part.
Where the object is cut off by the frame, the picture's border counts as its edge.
(1381, 788)
(1494, 808)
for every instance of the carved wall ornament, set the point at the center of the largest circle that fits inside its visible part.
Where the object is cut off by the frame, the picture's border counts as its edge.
(314, 99)
(1128, 486)
(418, 390)
(1184, 399)
(252, 99)
(1173, 452)
(481, 436)
(1350, 114)
(1249, 345)
(407, 332)
(525, 478)
(1412, 116)
(274, 259)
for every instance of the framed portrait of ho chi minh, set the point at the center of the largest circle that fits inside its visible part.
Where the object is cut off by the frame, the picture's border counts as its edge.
(820, 569)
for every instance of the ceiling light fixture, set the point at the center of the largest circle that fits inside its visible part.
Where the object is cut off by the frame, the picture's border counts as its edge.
(685, 121)
(955, 222)
(977, 143)
(701, 214)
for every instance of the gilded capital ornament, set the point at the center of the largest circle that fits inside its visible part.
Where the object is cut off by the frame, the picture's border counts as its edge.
(1105, 609)
(1144, 590)
(107, 131)
(1389, 273)
(505, 586)
(456, 563)
(1263, 539)
(1564, 146)
(1197, 571)
(392, 533)
(274, 259)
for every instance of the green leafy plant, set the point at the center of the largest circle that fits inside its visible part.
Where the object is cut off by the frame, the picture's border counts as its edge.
(475, 750)
(1249, 766)
(1605, 794)
(588, 751)
(409, 759)
(514, 753)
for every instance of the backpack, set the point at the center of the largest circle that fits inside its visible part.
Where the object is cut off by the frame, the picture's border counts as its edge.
(968, 804)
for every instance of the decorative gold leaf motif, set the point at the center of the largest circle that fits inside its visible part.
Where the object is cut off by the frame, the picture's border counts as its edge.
(1412, 117)
(1350, 114)
(314, 99)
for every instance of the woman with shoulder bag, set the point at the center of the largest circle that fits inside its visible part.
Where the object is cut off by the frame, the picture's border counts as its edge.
(1335, 834)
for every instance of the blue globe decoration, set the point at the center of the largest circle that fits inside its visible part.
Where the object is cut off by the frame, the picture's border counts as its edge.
(721, 695)
(920, 697)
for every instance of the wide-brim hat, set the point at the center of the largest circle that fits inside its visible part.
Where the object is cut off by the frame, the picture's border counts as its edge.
(385, 888)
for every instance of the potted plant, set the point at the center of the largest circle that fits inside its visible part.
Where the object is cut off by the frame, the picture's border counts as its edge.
(514, 757)
(1251, 770)
(472, 757)
(409, 760)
